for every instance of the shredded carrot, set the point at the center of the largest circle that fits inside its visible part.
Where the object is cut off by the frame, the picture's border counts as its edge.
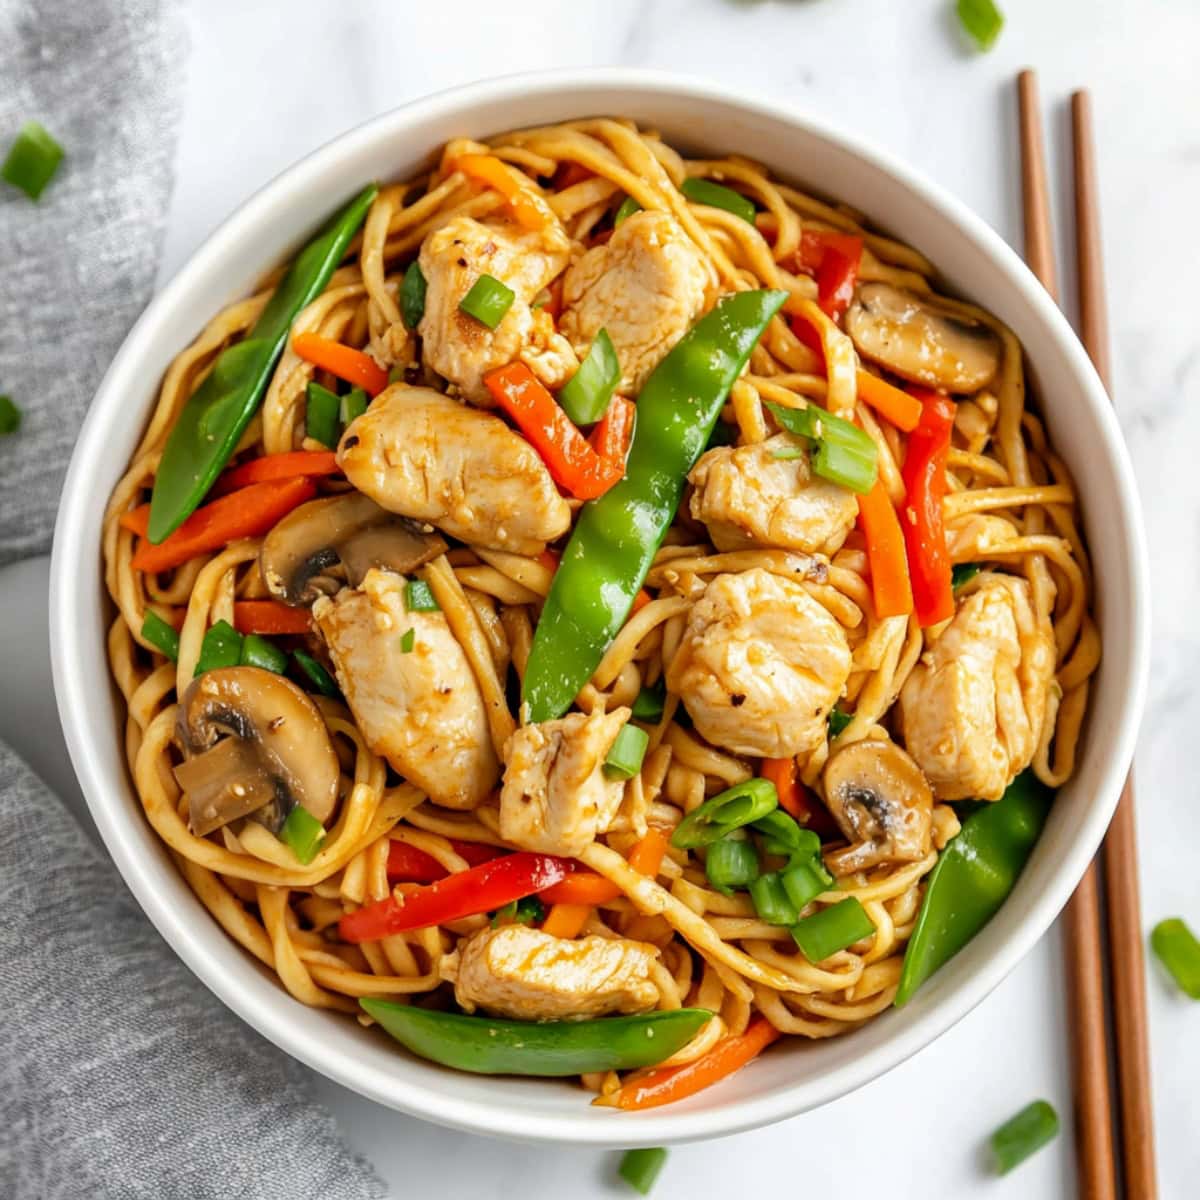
(664, 1085)
(270, 616)
(903, 410)
(891, 588)
(782, 773)
(566, 920)
(343, 361)
(248, 512)
(614, 431)
(529, 209)
(588, 888)
(311, 463)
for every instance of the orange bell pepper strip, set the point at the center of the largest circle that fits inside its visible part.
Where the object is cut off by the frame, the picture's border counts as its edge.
(248, 512)
(529, 210)
(310, 463)
(566, 920)
(903, 410)
(573, 464)
(665, 1085)
(891, 588)
(588, 888)
(270, 617)
(345, 362)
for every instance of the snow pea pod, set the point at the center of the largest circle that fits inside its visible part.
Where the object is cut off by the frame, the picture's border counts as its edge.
(217, 413)
(617, 535)
(973, 877)
(487, 1046)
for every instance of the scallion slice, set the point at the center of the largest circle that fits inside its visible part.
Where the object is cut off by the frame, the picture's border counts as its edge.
(771, 901)
(628, 207)
(354, 404)
(731, 863)
(963, 573)
(725, 812)
(838, 721)
(315, 674)
(588, 392)
(841, 465)
(407, 641)
(624, 759)
(832, 929)
(1179, 952)
(32, 160)
(842, 453)
(803, 882)
(716, 195)
(487, 301)
(258, 652)
(221, 647)
(640, 1168)
(650, 702)
(303, 833)
(10, 415)
(418, 597)
(321, 414)
(529, 910)
(1032, 1128)
(412, 295)
(160, 635)
(982, 20)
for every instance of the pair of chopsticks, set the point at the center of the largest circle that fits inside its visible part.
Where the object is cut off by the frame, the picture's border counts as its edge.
(1084, 935)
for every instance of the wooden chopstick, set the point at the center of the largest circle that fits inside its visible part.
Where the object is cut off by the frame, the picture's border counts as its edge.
(1082, 931)
(1126, 953)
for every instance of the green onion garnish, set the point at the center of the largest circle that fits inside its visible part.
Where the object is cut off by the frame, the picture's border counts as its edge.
(771, 901)
(640, 1168)
(725, 812)
(258, 652)
(222, 647)
(32, 160)
(650, 702)
(354, 404)
(982, 20)
(412, 295)
(10, 415)
(785, 836)
(487, 301)
(407, 641)
(303, 832)
(1179, 952)
(846, 467)
(588, 392)
(624, 759)
(529, 910)
(963, 573)
(160, 635)
(842, 453)
(628, 207)
(805, 881)
(832, 929)
(315, 674)
(838, 721)
(716, 195)
(321, 414)
(418, 597)
(731, 863)
(1018, 1138)
(788, 453)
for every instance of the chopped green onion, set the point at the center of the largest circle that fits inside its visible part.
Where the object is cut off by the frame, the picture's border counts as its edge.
(321, 414)
(487, 301)
(650, 702)
(963, 573)
(841, 465)
(588, 392)
(315, 674)
(412, 295)
(529, 910)
(258, 652)
(624, 759)
(408, 641)
(803, 882)
(788, 453)
(716, 195)
(10, 415)
(729, 810)
(1022, 1135)
(814, 423)
(838, 721)
(32, 160)
(771, 901)
(222, 647)
(160, 635)
(640, 1168)
(832, 929)
(303, 832)
(628, 207)
(731, 863)
(1179, 952)
(982, 20)
(786, 836)
(354, 404)
(418, 597)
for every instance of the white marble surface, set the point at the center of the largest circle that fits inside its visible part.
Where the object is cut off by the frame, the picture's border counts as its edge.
(267, 82)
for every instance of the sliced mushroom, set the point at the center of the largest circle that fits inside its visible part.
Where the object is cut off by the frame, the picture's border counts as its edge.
(327, 542)
(917, 339)
(882, 803)
(255, 745)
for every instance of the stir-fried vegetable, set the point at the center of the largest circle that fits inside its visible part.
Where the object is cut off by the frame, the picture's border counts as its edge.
(587, 393)
(891, 589)
(831, 929)
(160, 635)
(586, 887)
(923, 522)
(842, 453)
(10, 416)
(1033, 1127)
(270, 616)
(354, 404)
(418, 597)
(624, 759)
(641, 1168)
(1178, 951)
(833, 260)
(221, 647)
(516, 188)
(487, 1046)
(611, 438)
(271, 467)
(982, 20)
(529, 910)
(303, 833)
(962, 574)
(731, 863)
(216, 415)
(616, 537)
(487, 301)
(32, 160)
(567, 920)
(412, 295)
(355, 367)
(649, 703)
(899, 407)
(315, 674)
(321, 414)
(716, 195)
(258, 652)
(739, 805)
(628, 207)
(409, 864)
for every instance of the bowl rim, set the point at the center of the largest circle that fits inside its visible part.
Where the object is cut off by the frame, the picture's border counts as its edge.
(69, 604)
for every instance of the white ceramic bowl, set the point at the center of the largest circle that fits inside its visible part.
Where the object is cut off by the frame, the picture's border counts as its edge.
(701, 117)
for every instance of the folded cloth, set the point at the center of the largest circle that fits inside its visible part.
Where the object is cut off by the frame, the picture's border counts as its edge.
(121, 1075)
(103, 76)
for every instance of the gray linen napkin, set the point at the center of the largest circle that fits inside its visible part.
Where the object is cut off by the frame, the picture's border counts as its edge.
(121, 1075)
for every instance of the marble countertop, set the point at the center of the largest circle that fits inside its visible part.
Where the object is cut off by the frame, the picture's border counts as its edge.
(264, 88)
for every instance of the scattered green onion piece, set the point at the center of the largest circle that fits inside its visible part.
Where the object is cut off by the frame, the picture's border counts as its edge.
(160, 635)
(624, 759)
(640, 1168)
(803, 882)
(529, 910)
(32, 160)
(841, 465)
(303, 832)
(412, 295)
(628, 207)
(716, 195)
(650, 702)
(1179, 952)
(321, 414)
(814, 423)
(354, 404)
(832, 929)
(838, 721)
(1022, 1135)
(731, 863)
(408, 641)
(222, 647)
(258, 652)
(418, 597)
(771, 901)
(487, 301)
(786, 836)
(315, 674)
(982, 20)
(731, 809)
(788, 453)
(963, 573)
(10, 415)
(588, 392)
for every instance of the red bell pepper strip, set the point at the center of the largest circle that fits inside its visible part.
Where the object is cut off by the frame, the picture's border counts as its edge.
(833, 260)
(270, 617)
(923, 520)
(890, 586)
(408, 864)
(573, 464)
(483, 888)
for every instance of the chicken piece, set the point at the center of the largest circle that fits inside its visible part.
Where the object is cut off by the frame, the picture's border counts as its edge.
(760, 495)
(462, 349)
(419, 708)
(972, 710)
(519, 972)
(556, 797)
(646, 286)
(760, 665)
(426, 456)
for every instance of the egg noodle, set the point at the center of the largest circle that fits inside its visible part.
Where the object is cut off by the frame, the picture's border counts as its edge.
(1010, 504)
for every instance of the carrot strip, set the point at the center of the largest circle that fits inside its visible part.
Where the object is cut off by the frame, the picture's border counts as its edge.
(614, 431)
(782, 773)
(270, 616)
(903, 410)
(566, 920)
(249, 512)
(589, 889)
(343, 361)
(529, 210)
(310, 463)
(890, 584)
